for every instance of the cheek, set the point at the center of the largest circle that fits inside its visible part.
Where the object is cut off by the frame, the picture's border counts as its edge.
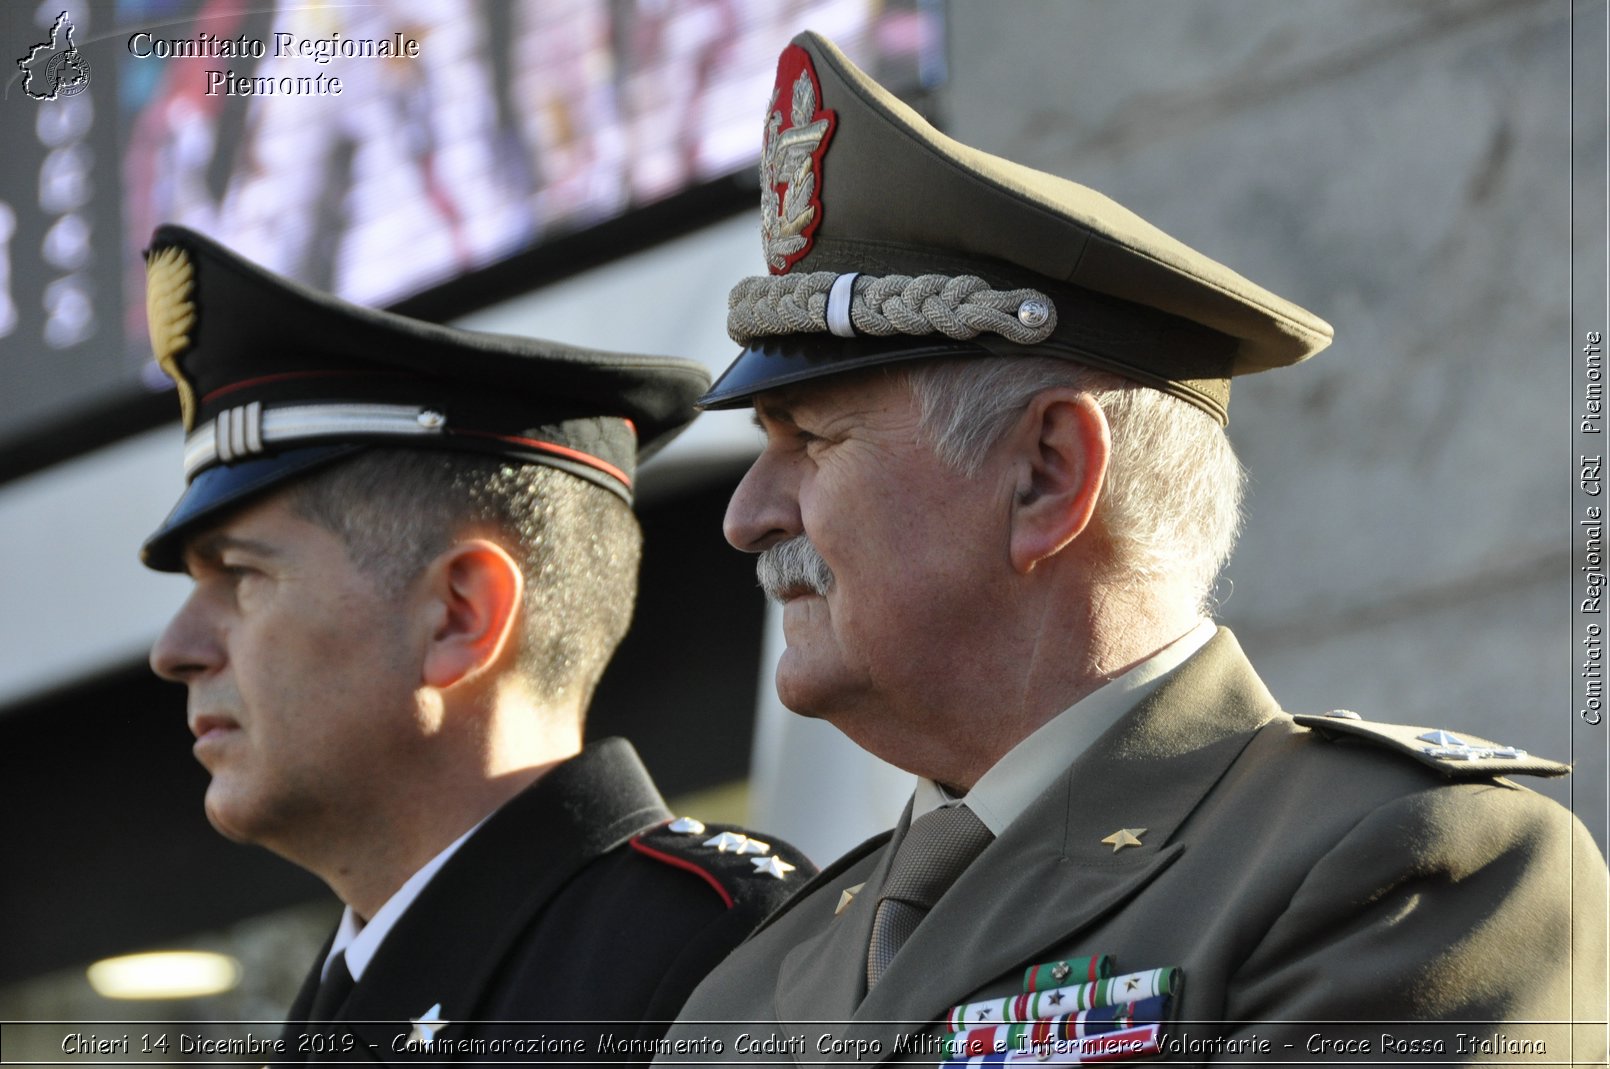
(904, 541)
(916, 584)
(315, 664)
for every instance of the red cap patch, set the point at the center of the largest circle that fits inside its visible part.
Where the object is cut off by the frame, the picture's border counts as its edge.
(791, 161)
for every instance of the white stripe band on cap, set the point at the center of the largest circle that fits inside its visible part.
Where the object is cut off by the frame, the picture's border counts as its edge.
(254, 427)
(220, 437)
(247, 430)
(237, 434)
(838, 305)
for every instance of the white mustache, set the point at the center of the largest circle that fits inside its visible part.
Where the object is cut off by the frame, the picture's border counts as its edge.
(791, 567)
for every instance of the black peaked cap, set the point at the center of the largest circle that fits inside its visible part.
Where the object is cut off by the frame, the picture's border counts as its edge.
(276, 379)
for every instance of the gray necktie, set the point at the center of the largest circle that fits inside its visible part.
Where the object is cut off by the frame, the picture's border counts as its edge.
(936, 849)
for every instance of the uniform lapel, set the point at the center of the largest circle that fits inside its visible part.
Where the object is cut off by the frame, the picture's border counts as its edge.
(824, 977)
(496, 882)
(303, 1004)
(296, 1017)
(1050, 877)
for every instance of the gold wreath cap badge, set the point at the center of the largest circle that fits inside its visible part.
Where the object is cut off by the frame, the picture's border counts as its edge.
(169, 316)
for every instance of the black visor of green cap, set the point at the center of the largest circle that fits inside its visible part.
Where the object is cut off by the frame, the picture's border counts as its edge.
(887, 241)
(276, 380)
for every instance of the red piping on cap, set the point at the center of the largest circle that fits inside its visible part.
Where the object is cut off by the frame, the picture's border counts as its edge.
(637, 844)
(288, 376)
(557, 450)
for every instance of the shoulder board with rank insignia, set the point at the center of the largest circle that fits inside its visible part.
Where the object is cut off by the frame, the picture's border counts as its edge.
(739, 867)
(1456, 755)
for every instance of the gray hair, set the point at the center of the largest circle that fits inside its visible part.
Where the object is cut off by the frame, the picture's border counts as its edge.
(1171, 503)
(577, 545)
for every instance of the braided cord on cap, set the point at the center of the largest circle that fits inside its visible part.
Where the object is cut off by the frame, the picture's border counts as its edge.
(959, 307)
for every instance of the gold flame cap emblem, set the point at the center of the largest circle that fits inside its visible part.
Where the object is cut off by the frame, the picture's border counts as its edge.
(169, 316)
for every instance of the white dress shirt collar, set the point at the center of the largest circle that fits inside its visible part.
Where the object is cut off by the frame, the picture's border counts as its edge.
(362, 941)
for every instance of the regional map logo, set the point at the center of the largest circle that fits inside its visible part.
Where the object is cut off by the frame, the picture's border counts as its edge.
(55, 68)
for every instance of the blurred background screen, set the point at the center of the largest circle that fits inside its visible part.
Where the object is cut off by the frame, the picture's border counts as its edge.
(509, 125)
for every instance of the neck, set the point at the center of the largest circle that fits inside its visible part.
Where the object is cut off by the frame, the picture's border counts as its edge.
(464, 769)
(1126, 627)
(1019, 676)
(382, 858)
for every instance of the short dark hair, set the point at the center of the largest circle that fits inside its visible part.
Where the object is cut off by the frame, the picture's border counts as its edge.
(577, 545)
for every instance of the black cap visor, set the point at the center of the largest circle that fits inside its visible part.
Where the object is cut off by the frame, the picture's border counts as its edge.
(784, 360)
(227, 486)
(789, 359)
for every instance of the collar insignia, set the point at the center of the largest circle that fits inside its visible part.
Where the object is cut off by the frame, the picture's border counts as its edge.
(1124, 837)
(426, 1025)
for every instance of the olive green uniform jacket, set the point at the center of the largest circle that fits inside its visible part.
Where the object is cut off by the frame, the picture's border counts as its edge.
(1301, 879)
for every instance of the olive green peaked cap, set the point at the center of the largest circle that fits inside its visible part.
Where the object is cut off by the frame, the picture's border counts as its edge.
(888, 241)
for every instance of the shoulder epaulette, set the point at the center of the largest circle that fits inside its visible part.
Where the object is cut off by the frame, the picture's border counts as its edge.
(828, 875)
(742, 869)
(1456, 755)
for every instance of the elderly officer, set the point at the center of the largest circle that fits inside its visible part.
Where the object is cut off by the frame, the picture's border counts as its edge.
(412, 553)
(994, 495)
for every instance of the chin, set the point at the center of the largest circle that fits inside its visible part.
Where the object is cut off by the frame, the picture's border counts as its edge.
(223, 818)
(810, 696)
(224, 828)
(797, 705)
(795, 689)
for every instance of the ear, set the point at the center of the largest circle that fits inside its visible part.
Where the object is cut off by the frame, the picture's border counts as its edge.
(475, 590)
(1062, 444)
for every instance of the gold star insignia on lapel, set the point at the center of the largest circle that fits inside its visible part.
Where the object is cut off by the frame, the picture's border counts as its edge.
(771, 866)
(427, 1024)
(847, 896)
(753, 846)
(727, 841)
(1124, 837)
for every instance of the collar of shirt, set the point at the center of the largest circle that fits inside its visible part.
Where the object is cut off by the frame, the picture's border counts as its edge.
(1002, 794)
(361, 941)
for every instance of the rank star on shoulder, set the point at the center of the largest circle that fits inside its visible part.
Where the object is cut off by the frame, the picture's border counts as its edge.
(771, 866)
(727, 842)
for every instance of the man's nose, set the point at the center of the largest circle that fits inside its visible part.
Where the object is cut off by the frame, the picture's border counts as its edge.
(187, 647)
(764, 510)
